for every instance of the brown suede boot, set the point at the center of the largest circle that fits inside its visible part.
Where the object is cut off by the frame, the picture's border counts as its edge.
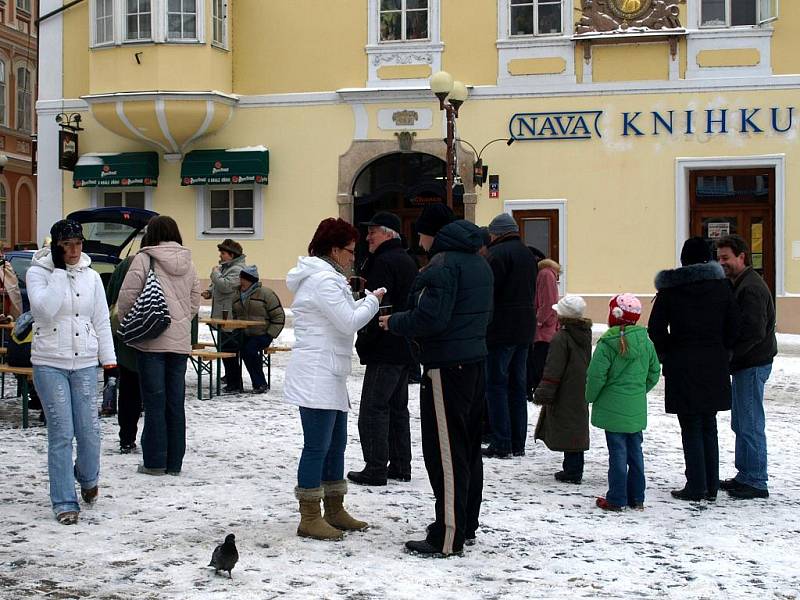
(311, 522)
(335, 514)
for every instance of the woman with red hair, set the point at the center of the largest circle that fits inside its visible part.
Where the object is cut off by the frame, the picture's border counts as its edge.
(325, 320)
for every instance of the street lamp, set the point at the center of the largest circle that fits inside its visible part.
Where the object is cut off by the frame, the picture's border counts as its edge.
(452, 95)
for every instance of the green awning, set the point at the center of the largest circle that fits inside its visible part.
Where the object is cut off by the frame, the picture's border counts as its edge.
(118, 170)
(234, 166)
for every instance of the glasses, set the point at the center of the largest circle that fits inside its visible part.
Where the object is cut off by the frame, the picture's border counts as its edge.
(353, 252)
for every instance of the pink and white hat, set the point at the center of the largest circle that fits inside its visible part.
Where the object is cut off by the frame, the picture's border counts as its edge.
(624, 309)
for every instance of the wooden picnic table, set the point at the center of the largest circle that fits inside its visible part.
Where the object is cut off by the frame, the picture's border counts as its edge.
(227, 325)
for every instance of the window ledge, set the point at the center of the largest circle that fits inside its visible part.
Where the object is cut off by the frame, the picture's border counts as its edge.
(746, 31)
(226, 232)
(535, 40)
(220, 46)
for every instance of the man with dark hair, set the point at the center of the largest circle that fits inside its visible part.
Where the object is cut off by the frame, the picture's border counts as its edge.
(383, 420)
(451, 304)
(751, 365)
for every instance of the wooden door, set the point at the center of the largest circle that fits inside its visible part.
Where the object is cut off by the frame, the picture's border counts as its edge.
(539, 228)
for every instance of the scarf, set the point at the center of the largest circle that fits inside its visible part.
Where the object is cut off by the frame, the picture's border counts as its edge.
(249, 291)
(334, 264)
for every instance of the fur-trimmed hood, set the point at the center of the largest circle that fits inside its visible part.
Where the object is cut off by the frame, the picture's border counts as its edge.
(549, 263)
(670, 278)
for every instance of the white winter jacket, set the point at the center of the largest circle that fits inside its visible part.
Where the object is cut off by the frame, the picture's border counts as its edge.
(326, 318)
(71, 327)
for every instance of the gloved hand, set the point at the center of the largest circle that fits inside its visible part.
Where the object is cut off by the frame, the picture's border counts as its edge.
(57, 253)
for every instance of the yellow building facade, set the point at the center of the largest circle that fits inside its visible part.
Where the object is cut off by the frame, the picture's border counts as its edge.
(635, 124)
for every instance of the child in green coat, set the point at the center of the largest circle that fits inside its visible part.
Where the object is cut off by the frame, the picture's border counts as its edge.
(623, 369)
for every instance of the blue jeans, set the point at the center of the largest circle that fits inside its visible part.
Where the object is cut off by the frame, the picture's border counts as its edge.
(251, 357)
(506, 399)
(69, 399)
(625, 468)
(747, 422)
(324, 441)
(162, 380)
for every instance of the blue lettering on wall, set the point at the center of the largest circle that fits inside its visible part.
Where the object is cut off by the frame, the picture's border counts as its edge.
(555, 125)
(627, 123)
(583, 125)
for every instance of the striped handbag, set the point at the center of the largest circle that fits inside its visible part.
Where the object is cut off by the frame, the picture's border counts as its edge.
(149, 316)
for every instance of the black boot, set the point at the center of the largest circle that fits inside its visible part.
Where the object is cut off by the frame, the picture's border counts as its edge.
(366, 477)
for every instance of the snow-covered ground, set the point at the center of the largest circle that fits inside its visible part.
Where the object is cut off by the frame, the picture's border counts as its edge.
(151, 537)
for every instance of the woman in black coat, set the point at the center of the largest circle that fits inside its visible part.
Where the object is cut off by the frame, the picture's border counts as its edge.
(693, 325)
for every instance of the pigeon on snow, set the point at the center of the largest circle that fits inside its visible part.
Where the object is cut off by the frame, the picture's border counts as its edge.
(225, 556)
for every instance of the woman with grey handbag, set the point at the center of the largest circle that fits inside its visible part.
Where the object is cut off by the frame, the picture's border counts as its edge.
(163, 357)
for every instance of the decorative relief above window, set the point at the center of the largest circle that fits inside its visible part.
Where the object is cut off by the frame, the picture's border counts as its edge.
(404, 46)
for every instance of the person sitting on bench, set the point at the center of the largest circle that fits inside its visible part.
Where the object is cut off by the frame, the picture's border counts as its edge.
(256, 303)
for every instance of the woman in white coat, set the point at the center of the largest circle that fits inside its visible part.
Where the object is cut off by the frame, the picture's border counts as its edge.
(71, 336)
(325, 320)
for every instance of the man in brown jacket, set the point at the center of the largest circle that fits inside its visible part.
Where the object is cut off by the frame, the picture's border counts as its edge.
(256, 303)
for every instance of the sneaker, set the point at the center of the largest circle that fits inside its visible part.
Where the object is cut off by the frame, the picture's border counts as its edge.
(711, 497)
(174, 473)
(261, 389)
(747, 492)
(89, 495)
(148, 471)
(729, 484)
(127, 448)
(69, 517)
(232, 389)
(636, 505)
(684, 494)
(492, 452)
(606, 505)
(566, 478)
(365, 478)
(427, 550)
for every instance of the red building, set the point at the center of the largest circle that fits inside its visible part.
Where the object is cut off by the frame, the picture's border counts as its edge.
(17, 122)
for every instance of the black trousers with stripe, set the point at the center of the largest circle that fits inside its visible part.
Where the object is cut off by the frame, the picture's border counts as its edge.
(451, 409)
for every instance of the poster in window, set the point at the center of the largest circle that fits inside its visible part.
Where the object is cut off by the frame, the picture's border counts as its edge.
(718, 230)
(67, 150)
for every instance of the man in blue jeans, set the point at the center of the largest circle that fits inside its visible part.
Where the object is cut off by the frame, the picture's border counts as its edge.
(751, 365)
(509, 335)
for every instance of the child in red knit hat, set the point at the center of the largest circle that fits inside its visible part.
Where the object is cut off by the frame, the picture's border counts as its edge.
(623, 369)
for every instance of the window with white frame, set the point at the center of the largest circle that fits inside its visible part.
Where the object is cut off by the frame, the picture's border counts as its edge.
(3, 93)
(24, 5)
(737, 13)
(104, 21)
(3, 214)
(535, 17)
(403, 20)
(181, 19)
(23, 99)
(138, 20)
(219, 22)
(127, 197)
(230, 209)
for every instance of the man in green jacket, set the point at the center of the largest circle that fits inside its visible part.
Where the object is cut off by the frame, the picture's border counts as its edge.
(256, 303)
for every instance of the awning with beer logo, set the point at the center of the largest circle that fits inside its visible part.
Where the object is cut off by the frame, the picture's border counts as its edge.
(123, 169)
(236, 166)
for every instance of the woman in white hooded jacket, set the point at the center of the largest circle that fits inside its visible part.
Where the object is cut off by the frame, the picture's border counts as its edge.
(326, 318)
(71, 335)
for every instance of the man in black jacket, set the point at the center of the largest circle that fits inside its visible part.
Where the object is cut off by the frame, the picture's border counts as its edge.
(383, 421)
(751, 366)
(451, 304)
(509, 336)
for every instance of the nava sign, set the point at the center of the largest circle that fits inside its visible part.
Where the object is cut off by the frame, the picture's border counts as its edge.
(579, 125)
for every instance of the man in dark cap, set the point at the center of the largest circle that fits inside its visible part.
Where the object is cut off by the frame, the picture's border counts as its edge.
(509, 336)
(446, 323)
(383, 420)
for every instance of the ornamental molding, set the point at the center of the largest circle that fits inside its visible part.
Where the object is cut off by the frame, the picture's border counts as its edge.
(403, 58)
(628, 16)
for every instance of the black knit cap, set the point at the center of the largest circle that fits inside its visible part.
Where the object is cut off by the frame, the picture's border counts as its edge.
(695, 251)
(66, 229)
(433, 218)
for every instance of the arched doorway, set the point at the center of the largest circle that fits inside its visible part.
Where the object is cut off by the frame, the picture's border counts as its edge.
(402, 183)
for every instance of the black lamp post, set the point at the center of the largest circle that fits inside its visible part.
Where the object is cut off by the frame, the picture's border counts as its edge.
(452, 95)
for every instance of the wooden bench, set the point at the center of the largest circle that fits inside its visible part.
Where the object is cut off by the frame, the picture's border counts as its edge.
(203, 361)
(266, 360)
(203, 345)
(26, 373)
